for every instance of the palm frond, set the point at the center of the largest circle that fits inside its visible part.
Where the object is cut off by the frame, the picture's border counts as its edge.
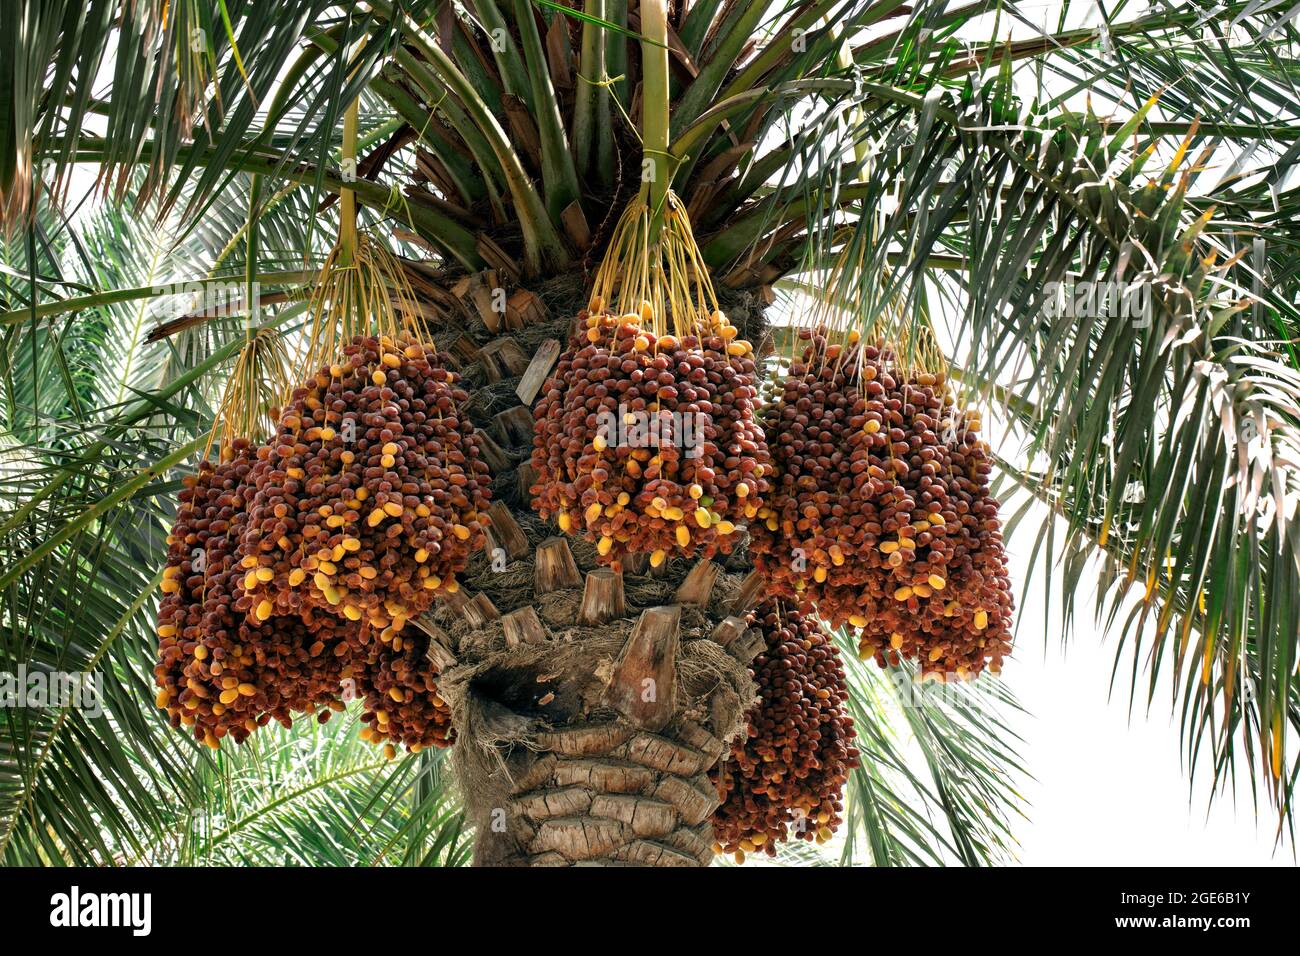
(961, 809)
(1166, 437)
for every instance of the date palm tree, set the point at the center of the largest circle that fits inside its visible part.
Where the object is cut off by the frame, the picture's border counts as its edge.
(977, 165)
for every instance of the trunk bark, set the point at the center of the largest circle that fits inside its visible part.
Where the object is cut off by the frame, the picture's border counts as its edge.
(589, 742)
(589, 705)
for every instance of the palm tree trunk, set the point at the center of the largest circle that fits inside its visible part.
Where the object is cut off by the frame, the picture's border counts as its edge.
(589, 711)
(590, 705)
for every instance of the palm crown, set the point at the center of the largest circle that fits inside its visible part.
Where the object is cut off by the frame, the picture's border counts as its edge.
(965, 181)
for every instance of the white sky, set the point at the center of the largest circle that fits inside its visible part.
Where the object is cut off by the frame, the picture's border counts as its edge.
(1109, 788)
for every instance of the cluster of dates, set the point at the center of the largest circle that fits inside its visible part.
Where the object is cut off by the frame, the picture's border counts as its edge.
(787, 775)
(295, 566)
(218, 673)
(880, 515)
(648, 443)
